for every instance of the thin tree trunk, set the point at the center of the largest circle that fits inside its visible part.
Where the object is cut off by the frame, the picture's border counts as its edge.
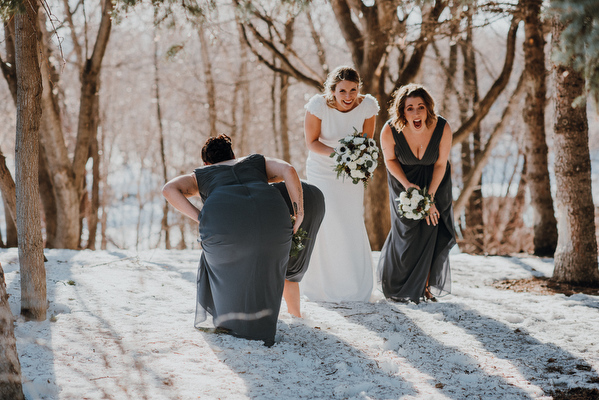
(283, 98)
(29, 114)
(92, 217)
(48, 200)
(56, 152)
(210, 87)
(473, 229)
(10, 367)
(164, 223)
(576, 251)
(544, 222)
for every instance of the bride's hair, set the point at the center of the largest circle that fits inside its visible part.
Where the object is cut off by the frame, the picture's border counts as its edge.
(342, 73)
(217, 149)
(397, 109)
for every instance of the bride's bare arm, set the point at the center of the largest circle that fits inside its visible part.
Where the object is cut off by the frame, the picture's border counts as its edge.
(178, 190)
(279, 170)
(312, 125)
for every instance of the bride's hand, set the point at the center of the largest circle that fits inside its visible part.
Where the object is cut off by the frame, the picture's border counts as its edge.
(412, 185)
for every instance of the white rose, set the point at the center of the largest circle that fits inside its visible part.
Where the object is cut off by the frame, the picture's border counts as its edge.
(348, 138)
(362, 147)
(359, 140)
(357, 174)
(352, 165)
(354, 156)
(403, 197)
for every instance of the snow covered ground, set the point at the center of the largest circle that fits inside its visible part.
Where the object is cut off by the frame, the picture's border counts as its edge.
(120, 327)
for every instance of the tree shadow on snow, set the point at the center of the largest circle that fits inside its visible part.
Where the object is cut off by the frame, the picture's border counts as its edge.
(542, 364)
(306, 363)
(452, 372)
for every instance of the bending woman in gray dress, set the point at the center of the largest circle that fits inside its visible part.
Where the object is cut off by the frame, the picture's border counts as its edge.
(414, 262)
(246, 231)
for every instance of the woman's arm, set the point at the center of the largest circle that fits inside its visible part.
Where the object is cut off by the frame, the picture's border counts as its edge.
(279, 170)
(176, 192)
(441, 163)
(369, 125)
(439, 172)
(312, 126)
(391, 161)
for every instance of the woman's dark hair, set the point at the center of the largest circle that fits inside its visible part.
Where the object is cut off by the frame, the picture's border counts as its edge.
(397, 112)
(217, 149)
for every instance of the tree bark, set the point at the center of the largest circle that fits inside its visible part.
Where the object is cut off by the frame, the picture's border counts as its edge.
(283, 98)
(164, 227)
(29, 114)
(209, 78)
(576, 251)
(10, 367)
(544, 222)
(92, 217)
(48, 199)
(473, 230)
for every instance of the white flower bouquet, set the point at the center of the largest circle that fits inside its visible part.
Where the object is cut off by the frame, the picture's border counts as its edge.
(356, 157)
(414, 203)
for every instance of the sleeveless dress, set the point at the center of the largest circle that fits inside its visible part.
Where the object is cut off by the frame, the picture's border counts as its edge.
(414, 248)
(246, 230)
(313, 215)
(341, 264)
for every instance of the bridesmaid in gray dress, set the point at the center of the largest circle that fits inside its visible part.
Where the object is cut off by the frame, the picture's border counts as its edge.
(297, 266)
(245, 229)
(414, 262)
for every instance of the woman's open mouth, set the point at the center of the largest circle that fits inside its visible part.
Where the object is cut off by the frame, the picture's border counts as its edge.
(417, 123)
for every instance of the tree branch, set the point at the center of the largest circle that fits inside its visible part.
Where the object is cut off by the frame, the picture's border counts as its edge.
(500, 83)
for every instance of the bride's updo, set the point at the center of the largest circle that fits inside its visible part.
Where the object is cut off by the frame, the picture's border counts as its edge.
(342, 73)
(217, 149)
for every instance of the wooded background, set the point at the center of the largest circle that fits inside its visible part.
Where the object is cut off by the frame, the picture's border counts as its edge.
(131, 90)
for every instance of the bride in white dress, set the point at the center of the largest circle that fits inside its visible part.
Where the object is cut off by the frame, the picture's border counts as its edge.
(341, 264)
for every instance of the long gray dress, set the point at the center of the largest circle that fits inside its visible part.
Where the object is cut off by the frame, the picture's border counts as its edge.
(313, 214)
(245, 229)
(414, 248)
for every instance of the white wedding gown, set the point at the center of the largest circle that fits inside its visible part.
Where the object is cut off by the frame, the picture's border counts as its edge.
(341, 265)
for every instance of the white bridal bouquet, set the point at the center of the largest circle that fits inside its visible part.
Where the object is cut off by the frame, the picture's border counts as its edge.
(414, 203)
(356, 157)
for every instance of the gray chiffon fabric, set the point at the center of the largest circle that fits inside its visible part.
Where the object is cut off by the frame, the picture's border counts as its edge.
(245, 229)
(414, 248)
(313, 214)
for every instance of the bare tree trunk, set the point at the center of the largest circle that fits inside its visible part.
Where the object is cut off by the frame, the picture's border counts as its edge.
(7, 186)
(29, 114)
(210, 87)
(10, 367)
(48, 200)
(544, 222)
(56, 153)
(576, 251)
(164, 223)
(473, 230)
(8, 66)
(283, 99)
(92, 216)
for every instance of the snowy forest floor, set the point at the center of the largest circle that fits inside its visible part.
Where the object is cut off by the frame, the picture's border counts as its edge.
(120, 326)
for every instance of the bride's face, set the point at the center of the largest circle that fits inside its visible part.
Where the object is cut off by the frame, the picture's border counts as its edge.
(346, 94)
(416, 113)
